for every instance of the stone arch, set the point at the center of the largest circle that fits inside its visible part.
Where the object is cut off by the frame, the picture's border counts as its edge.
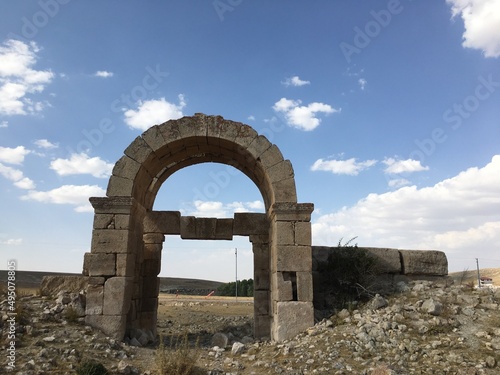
(127, 234)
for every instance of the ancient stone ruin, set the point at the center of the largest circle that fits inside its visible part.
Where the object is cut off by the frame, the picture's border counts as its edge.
(127, 237)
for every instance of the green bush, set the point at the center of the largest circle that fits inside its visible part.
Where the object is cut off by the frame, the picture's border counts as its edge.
(91, 367)
(348, 275)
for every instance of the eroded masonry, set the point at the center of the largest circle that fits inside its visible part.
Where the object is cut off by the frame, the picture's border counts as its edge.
(127, 237)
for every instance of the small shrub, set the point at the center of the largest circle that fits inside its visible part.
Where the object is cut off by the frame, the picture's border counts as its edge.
(70, 314)
(348, 275)
(179, 359)
(91, 367)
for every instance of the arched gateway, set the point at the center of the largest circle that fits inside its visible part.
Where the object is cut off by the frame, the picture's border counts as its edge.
(128, 235)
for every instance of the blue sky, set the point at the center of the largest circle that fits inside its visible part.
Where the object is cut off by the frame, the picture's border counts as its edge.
(388, 110)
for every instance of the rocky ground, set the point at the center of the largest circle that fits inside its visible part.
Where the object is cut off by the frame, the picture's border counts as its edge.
(426, 328)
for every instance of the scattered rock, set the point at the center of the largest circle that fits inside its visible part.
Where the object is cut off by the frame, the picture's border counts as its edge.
(220, 339)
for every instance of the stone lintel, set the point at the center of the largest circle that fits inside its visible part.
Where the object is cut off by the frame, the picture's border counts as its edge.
(248, 223)
(166, 222)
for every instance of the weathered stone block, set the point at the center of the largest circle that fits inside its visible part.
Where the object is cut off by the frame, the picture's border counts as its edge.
(152, 251)
(206, 228)
(125, 264)
(387, 260)
(119, 187)
(126, 167)
(258, 146)
(291, 318)
(261, 256)
(150, 267)
(271, 157)
(153, 238)
(154, 138)
(282, 289)
(424, 262)
(112, 325)
(100, 264)
(104, 221)
(248, 223)
(261, 302)
(188, 227)
(302, 231)
(262, 327)
(285, 190)
(292, 258)
(110, 241)
(117, 295)
(113, 205)
(122, 221)
(224, 229)
(95, 300)
(290, 211)
(281, 171)
(305, 286)
(166, 222)
(96, 280)
(150, 286)
(283, 233)
(261, 279)
(138, 150)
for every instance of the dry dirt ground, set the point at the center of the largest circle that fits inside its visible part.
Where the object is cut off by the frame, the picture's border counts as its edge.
(429, 328)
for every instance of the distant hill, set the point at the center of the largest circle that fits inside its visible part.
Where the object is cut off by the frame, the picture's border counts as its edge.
(33, 279)
(471, 275)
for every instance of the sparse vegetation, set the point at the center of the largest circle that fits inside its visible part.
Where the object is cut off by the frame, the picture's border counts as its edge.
(348, 275)
(70, 314)
(178, 359)
(91, 367)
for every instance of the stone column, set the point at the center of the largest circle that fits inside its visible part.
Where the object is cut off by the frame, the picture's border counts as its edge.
(111, 263)
(291, 269)
(149, 282)
(262, 319)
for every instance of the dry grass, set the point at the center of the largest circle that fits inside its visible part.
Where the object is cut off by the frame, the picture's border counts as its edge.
(179, 359)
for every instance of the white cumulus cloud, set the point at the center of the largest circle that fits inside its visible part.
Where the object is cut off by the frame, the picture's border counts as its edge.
(13, 155)
(481, 22)
(76, 195)
(295, 81)
(4, 124)
(82, 164)
(152, 112)
(350, 167)
(403, 166)
(222, 210)
(103, 74)
(460, 216)
(303, 117)
(43, 143)
(17, 177)
(19, 82)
